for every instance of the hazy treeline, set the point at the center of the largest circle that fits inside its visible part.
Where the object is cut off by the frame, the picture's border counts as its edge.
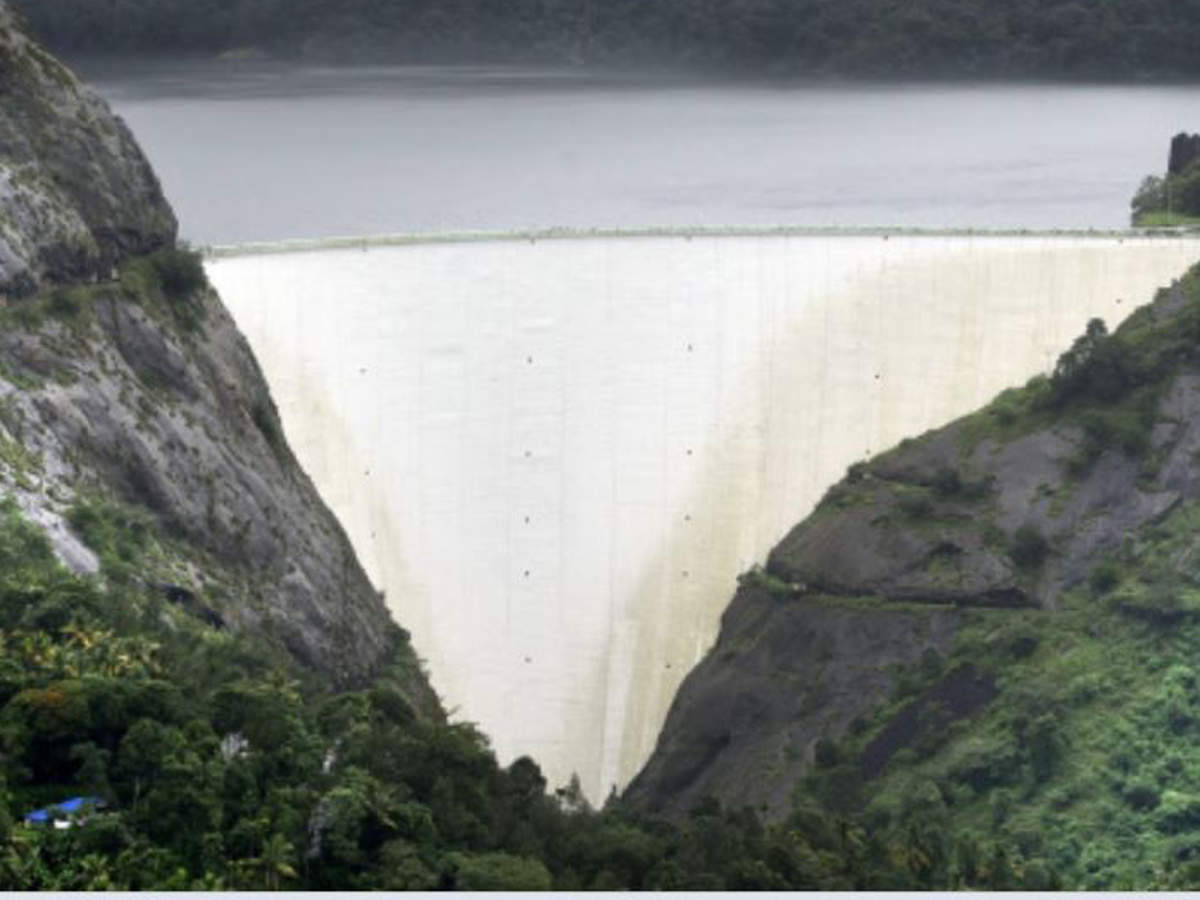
(1013, 38)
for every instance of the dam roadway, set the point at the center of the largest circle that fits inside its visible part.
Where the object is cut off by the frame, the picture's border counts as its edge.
(555, 451)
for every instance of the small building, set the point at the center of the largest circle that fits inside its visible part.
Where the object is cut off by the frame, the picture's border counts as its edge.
(69, 813)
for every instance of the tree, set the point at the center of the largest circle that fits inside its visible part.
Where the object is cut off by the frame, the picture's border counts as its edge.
(273, 863)
(500, 872)
(1151, 197)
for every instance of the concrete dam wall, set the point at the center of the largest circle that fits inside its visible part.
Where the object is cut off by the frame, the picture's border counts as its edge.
(556, 456)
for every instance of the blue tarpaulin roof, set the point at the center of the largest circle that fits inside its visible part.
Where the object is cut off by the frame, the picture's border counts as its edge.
(66, 808)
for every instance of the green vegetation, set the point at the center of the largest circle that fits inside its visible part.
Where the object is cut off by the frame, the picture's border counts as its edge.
(120, 535)
(172, 279)
(168, 283)
(1171, 199)
(758, 577)
(180, 272)
(1082, 772)
(1163, 219)
(1115, 40)
(226, 767)
(1028, 548)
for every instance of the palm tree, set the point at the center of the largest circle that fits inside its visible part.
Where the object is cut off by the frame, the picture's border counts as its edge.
(273, 862)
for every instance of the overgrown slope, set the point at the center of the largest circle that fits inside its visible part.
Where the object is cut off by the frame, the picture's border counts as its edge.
(980, 648)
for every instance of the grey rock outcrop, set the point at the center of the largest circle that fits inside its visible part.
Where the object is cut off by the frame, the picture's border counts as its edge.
(76, 193)
(121, 402)
(784, 674)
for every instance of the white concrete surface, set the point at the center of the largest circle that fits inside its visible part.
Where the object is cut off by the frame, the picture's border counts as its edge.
(556, 456)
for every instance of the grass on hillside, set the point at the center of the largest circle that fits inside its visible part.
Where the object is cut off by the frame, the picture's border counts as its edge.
(1164, 219)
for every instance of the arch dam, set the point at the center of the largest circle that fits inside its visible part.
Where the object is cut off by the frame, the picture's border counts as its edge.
(555, 451)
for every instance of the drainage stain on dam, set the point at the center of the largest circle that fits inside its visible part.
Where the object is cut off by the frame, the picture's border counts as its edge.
(556, 456)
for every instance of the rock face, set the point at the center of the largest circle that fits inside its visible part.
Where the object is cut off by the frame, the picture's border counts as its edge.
(1008, 508)
(76, 193)
(122, 402)
(1185, 150)
(125, 379)
(785, 673)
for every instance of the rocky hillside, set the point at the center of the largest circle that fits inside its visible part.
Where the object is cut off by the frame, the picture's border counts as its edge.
(76, 194)
(973, 610)
(124, 382)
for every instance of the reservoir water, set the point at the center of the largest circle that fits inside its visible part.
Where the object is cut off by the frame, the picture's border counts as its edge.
(264, 152)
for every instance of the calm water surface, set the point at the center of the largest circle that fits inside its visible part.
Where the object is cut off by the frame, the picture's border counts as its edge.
(266, 152)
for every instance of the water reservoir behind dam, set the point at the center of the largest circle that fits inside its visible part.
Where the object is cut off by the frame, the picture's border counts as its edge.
(556, 455)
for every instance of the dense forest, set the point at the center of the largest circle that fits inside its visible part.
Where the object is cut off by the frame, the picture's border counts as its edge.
(1113, 39)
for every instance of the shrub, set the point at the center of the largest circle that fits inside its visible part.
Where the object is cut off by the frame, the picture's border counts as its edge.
(1089, 369)
(501, 872)
(1020, 640)
(180, 271)
(1140, 796)
(1177, 812)
(1185, 191)
(759, 578)
(986, 761)
(915, 504)
(64, 304)
(1104, 577)
(1028, 548)
(947, 482)
(266, 420)
(1045, 745)
(1162, 200)
(1151, 196)
(826, 753)
(839, 788)
(1005, 408)
(1122, 428)
(1158, 603)
(120, 535)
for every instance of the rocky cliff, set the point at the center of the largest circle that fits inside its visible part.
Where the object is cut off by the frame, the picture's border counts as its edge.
(1050, 503)
(124, 385)
(76, 194)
